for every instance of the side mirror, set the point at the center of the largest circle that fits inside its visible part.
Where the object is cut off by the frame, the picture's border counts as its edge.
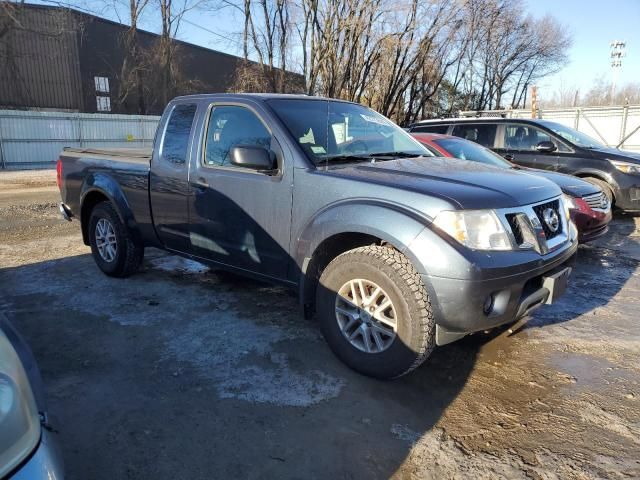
(254, 157)
(546, 147)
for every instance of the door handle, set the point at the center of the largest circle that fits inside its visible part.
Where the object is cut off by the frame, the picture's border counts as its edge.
(200, 185)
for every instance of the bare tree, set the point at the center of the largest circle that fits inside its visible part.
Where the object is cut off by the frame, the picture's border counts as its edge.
(408, 59)
(600, 94)
(133, 66)
(164, 53)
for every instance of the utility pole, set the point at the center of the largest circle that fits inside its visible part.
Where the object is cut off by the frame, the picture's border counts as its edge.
(617, 53)
(534, 101)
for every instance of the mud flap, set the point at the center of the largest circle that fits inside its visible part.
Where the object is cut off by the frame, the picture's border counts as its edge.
(444, 336)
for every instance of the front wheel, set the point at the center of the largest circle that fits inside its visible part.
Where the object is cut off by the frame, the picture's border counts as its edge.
(375, 313)
(113, 248)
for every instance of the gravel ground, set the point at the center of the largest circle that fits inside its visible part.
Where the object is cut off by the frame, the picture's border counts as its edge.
(183, 372)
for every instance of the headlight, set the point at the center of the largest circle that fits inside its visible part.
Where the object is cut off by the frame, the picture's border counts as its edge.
(626, 167)
(19, 421)
(477, 229)
(569, 203)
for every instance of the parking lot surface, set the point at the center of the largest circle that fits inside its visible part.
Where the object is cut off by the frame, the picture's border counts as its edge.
(184, 372)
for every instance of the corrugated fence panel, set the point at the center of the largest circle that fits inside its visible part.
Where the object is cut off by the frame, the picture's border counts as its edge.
(30, 139)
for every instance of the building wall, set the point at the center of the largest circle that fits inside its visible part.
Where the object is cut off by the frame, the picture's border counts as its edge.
(53, 62)
(39, 62)
(102, 54)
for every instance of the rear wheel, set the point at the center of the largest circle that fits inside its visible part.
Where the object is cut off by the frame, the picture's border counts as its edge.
(604, 186)
(375, 312)
(114, 249)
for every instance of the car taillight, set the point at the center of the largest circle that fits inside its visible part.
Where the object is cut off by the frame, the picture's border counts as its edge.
(59, 173)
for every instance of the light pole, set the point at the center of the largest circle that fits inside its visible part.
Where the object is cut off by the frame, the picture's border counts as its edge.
(617, 52)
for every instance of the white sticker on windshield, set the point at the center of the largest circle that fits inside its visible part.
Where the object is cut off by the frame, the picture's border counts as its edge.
(369, 118)
(308, 137)
(318, 149)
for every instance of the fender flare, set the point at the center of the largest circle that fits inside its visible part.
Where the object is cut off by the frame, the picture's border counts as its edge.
(590, 172)
(394, 224)
(107, 186)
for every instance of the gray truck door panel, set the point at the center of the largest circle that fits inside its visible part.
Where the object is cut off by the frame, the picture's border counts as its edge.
(240, 217)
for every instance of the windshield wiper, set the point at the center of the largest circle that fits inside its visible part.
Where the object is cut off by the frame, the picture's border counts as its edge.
(367, 157)
(343, 158)
(395, 154)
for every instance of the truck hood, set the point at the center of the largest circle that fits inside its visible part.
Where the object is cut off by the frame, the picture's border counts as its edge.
(569, 184)
(468, 185)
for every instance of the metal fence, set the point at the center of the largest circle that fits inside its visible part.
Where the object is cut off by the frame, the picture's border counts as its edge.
(617, 126)
(30, 139)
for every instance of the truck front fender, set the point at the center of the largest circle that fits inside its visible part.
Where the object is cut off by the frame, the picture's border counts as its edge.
(390, 223)
(98, 187)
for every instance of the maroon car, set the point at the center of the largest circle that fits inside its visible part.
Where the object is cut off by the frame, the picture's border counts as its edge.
(590, 208)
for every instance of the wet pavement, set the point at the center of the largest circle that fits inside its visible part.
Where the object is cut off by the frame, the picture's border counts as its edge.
(182, 372)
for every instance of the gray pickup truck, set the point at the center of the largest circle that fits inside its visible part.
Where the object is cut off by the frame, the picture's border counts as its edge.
(393, 250)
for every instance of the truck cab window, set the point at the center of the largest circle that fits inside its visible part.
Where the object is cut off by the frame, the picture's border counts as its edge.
(231, 126)
(176, 136)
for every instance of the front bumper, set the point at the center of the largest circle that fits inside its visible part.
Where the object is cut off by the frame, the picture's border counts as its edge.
(45, 463)
(626, 191)
(591, 224)
(460, 304)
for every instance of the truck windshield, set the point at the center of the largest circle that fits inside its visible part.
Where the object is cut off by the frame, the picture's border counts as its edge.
(574, 136)
(332, 131)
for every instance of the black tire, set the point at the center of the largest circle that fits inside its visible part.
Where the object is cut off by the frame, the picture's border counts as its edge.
(394, 273)
(128, 255)
(604, 186)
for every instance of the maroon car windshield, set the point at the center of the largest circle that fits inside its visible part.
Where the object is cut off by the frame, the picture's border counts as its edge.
(467, 150)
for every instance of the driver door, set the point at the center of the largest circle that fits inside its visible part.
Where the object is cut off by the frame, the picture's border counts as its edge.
(238, 216)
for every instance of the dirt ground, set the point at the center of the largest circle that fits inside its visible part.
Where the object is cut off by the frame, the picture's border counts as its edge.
(182, 372)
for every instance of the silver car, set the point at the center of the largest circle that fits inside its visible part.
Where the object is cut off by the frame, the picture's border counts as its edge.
(28, 449)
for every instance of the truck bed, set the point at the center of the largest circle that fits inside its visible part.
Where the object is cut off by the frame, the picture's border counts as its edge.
(93, 167)
(136, 155)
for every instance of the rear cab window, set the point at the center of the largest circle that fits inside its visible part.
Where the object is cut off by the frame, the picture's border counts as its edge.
(175, 141)
(485, 134)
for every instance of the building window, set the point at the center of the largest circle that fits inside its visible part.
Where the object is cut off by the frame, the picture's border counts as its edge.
(102, 84)
(103, 104)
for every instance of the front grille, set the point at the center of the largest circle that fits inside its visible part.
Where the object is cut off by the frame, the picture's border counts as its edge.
(540, 213)
(597, 201)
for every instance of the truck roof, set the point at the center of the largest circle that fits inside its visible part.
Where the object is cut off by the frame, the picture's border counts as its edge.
(260, 96)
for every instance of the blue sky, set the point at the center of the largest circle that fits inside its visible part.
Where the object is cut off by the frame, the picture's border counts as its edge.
(592, 23)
